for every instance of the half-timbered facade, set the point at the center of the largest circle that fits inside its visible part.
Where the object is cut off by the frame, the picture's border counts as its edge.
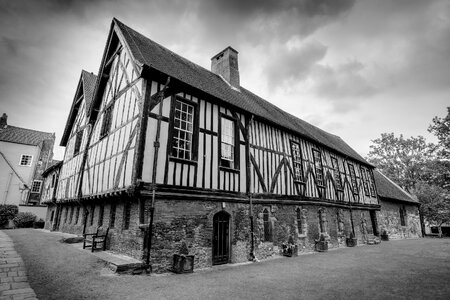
(163, 151)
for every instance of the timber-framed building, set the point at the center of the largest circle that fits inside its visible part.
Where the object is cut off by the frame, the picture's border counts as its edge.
(163, 151)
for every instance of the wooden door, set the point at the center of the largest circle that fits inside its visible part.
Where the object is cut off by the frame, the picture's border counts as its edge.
(221, 238)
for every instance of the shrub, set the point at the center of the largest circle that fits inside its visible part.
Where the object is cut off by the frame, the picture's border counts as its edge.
(24, 220)
(7, 212)
(39, 224)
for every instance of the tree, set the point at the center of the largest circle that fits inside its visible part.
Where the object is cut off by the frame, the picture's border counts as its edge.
(403, 160)
(435, 204)
(441, 129)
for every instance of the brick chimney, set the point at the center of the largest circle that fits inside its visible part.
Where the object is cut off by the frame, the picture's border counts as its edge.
(3, 121)
(226, 65)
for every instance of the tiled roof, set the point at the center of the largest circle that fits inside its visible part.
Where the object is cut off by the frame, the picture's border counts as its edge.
(149, 53)
(88, 81)
(24, 136)
(54, 165)
(386, 188)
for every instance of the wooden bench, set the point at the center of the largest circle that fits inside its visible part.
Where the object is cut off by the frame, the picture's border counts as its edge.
(96, 239)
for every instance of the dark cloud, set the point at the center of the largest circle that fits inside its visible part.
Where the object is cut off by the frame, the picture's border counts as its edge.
(293, 65)
(345, 81)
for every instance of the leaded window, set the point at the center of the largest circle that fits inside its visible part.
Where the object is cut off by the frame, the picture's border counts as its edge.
(372, 183)
(297, 165)
(183, 129)
(351, 169)
(36, 187)
(300, 221)
(318, 167)
(107, 120)
(78, 139)
(365, 180)
(337, 173)
(227, 149)
(25, 160)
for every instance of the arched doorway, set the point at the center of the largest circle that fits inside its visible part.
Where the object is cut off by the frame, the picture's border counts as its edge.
(221, 238)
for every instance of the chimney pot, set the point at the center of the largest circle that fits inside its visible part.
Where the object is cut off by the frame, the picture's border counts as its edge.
(225, 64)
(3, 121)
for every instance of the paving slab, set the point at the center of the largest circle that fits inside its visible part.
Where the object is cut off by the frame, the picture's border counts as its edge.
(12, 285)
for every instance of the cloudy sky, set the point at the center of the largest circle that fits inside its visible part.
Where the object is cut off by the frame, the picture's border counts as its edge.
(353, 68)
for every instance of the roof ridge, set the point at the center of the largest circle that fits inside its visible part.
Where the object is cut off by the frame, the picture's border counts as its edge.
(46, 132)
(128, 28)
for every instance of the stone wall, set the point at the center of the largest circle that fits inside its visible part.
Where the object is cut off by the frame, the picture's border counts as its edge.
(192, 222)
(389, 220)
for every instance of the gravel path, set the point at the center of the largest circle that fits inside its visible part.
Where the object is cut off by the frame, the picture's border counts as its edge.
(411, 269)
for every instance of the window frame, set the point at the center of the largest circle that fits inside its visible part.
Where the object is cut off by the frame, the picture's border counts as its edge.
(236, 143)
(126, 215)
(301, 221)
(195, 130)
(107, 120)
(365, 180)
(33, 185)
(296, 162)
(337, 174)
(29, 163)
(266, 225)
(354, 182)
(322, 184)
(78, 140)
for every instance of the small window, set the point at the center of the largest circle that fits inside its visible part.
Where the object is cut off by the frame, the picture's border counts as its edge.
(100, 215)
(402, 215)
(126, 215)
(66, 212)
(300, 221)
(228, 140)
(183, 130)
(297, 164)
(52, 216)
(266, 224)
(25, 160)
(107, 120)
(351, 169)
(92, 215)
(112, 215)
(318, 167)
(36, 187)
(71, 214)
(77, 215)
(78, 139)
(53, 180)
(337, 173)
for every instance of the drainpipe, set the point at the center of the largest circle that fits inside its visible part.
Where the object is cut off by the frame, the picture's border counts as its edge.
(249, 194)
(156, 145)
(8, 184)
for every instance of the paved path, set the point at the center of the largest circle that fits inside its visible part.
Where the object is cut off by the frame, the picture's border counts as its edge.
(406, 269)
(13, 277)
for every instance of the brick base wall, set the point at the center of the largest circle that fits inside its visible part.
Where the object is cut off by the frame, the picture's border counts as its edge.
(191, 222)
